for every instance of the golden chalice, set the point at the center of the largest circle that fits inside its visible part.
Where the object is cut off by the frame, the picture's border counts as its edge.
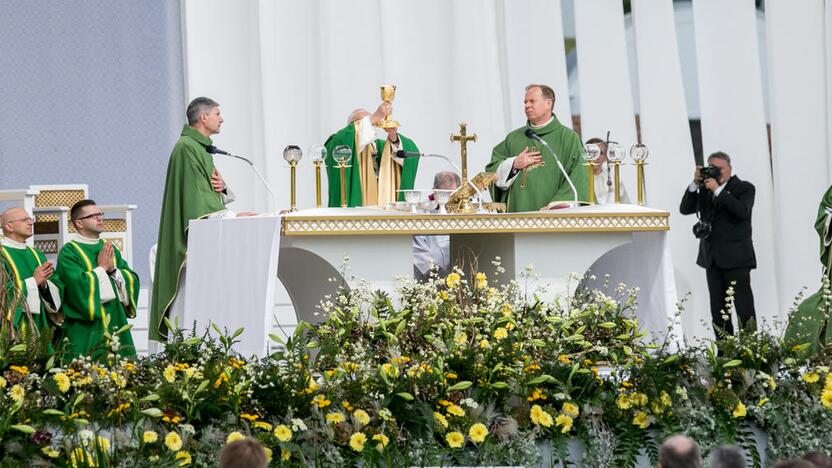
(388, 93)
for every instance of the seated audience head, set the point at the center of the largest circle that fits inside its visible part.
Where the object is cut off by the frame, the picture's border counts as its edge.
(87, 219)
(246, 453)
(602, 145)
(679, 451)
(726, 456)
(793, 463)
(446, 180)
(821, 460)
(17, 225)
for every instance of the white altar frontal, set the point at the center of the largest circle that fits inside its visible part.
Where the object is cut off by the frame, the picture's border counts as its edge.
(626, 242)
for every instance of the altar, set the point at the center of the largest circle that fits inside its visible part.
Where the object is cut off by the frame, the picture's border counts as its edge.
(322, 249)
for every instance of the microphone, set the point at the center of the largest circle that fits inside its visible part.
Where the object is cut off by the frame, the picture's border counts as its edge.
(211, 149)
(412, 154)
(534, 136)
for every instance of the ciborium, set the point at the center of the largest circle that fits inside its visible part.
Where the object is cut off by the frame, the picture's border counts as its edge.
(388, 93)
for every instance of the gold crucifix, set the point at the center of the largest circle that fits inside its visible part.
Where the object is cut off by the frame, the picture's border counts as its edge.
(463, 138)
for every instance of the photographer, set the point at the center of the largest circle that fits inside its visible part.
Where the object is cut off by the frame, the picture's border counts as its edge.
(723, 205)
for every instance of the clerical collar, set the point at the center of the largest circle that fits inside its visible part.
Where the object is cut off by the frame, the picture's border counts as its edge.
(13, 243)
(85, 240)
(544, 124)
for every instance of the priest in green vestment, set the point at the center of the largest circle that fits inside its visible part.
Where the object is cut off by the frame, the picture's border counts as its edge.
(32, 274)
(810, 322)
(194, 189)
(375, 174)
(100, 290)
(528, 177)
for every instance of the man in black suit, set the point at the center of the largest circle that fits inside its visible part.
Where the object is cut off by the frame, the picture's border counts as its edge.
(727, 253)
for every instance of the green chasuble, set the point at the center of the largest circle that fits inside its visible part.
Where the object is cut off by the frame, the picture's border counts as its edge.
(544, 184)
(188, 195)
(810, 322)
(346, 136)
(83, 311)
(20, 262)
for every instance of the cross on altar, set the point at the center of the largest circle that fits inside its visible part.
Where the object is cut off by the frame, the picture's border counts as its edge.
(463, 138)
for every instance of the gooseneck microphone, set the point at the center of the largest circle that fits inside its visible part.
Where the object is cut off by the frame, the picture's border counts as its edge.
(214, 150)
(413, 154)
(534, 136)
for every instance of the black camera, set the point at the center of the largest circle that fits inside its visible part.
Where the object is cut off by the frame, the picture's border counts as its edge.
(710, 172)
(702, 229)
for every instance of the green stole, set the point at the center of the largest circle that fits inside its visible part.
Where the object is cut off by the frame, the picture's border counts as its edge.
(83, 311)
(188, 195)
(811, 318)
(21, 264)
(346, 136)
(546, 184)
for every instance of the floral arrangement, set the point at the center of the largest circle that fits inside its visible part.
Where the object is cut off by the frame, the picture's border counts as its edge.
(455, 371)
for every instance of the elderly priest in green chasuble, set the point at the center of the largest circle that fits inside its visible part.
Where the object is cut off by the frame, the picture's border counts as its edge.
(528, 178)
(375, 173)
(194, 189)
(810, 323)
(100, 289)
(33, 289)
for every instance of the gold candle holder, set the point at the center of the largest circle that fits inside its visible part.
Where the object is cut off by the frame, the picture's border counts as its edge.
(640, 181)
(318, 164)
(292, 185)
(616, 166)
(343, 170)
(292, 154)
(615, 156)
(591, 171)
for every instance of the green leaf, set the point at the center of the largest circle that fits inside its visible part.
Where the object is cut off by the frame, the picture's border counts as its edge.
(537, 342)
(201, 387)
(53, 412)
(670, 359)
(151, 397)
(732, 363)
(400, 327)
(81, 422)
(499, 385)
(276, 338)
(405, 396)
(237, 333)
(312, 345)
(461, 385)
(607, 325)
(216, 328)
(192, 340)
(540, 379)
(50, 363)
(124, 328)
(152, 412)
(26, 429)
(18, 348)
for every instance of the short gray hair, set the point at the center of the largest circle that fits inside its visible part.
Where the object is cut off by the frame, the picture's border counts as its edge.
(720, 155)
(446, 180)
(199, 106)
(726, 456)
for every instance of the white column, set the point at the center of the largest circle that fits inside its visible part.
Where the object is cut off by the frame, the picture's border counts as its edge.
(535, 58)
(798, 90)
(666, 132)
(604, 79)
(733, 120)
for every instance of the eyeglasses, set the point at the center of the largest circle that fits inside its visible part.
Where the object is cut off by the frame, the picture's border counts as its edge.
(94, 215)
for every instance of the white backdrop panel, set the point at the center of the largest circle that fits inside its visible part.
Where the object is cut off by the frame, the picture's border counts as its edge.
(797, 86)
(606, 100)
(731, 100)
(666, 132)
(527, 63)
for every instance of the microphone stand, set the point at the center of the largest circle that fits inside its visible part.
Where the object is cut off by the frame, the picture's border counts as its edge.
(262, 180)
(562, 170)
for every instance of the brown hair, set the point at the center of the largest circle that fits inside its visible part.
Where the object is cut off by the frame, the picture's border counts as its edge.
(246, 453)
(548, 92)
